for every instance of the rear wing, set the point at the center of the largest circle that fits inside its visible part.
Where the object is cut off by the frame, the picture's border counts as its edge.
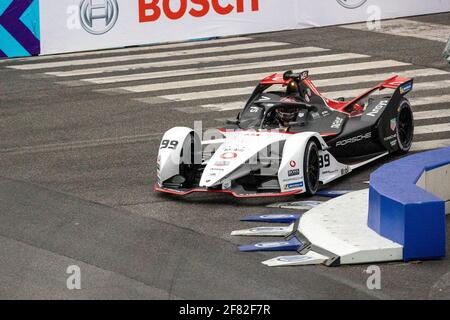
(401, 85)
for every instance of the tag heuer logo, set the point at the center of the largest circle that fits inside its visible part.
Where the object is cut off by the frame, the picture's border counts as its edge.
(98, 16)
(351, 4)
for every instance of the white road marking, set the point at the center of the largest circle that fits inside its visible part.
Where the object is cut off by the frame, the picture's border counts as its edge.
(246, 66)
(432, 114)
(409, 28)
(430, 144)
(209, 94)
(431, 100)
(191, 83)
(258, 76)
(147, 56)
(221, 58)
(432, 128)
(131, 49)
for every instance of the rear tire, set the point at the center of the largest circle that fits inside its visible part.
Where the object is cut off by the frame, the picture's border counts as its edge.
(405, 127)
(311, 168)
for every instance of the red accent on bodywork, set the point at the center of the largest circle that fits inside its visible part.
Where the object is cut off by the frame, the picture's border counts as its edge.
(276, 78)
(391, 83)
(234, 194)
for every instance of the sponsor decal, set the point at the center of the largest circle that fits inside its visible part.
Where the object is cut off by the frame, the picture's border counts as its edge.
(393, 124)
(231, 149)
(304, 75)
(222, 163)
(359, 138)
(315, 115)
(294, 185)
(337, 123)
(293, 164)
(345, 171)
(330, 171)
(226, 185)
(229, 155)
(294, 172)
(378, 108)
(152, 10)
(98, 17)
(393, 143)
(325, 113)
(405, 88)
(351, 4)
(308, 92)
(390, 137)
(293, 179)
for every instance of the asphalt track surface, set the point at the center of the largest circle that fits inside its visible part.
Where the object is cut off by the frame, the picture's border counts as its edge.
(78, 164)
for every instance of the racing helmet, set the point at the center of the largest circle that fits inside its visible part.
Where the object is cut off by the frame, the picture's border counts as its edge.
(292, 88)
(286, 114)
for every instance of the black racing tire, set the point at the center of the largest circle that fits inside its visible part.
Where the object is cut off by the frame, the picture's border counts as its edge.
(311, 168)
(405, 127)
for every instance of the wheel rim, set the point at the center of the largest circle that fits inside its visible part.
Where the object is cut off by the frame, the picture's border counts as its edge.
(313, 169)
(405, 128)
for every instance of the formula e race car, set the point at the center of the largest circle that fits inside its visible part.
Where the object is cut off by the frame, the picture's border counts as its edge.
(288, 139)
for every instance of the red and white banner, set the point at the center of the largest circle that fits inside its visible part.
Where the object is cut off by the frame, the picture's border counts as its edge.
(78, 25)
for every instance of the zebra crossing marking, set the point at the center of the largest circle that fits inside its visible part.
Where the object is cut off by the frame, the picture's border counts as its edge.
(151, 55)
(359, 66)
(208, 59)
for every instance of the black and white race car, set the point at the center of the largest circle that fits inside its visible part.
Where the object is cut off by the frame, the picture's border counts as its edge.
(288, 139)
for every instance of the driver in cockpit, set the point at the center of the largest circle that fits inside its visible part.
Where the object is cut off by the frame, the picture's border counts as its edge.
(286, 115)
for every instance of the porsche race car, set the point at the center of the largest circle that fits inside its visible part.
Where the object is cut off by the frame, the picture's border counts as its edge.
(288, 139)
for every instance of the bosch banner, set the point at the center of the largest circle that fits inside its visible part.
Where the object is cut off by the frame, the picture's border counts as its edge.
(78, 25)
(75, 25)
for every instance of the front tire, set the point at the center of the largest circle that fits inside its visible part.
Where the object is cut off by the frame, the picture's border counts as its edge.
(311, 168)
(405, 127)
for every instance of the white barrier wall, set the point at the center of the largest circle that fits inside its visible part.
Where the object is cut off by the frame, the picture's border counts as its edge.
(437, 182)
(78, 25)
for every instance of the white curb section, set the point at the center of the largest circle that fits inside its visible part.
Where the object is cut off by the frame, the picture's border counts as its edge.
(339, 226)
(298, 260)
